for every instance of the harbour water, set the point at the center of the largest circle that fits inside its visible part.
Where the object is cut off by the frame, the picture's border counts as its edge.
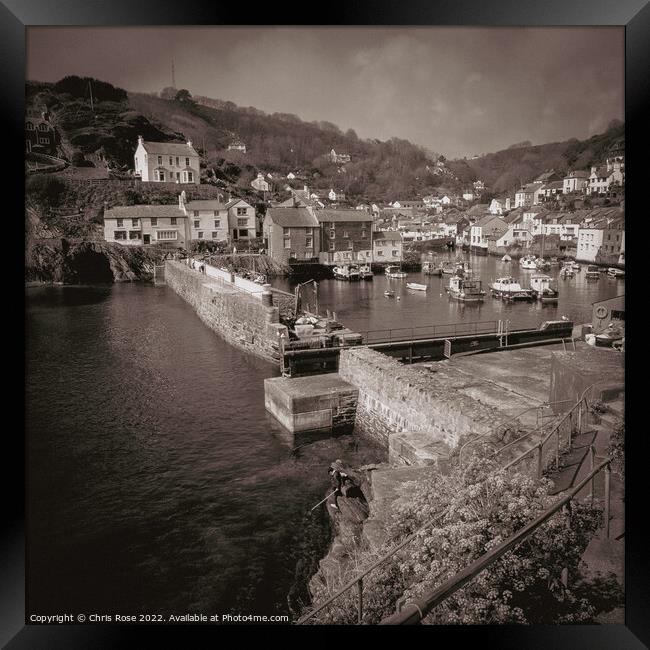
(362, 306)
(157, 482)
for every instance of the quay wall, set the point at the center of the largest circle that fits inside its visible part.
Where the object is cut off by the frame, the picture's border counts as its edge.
(395, 398)
(241, 318)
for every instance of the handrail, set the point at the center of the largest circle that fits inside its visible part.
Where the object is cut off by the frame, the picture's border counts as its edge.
(423, 605)
(372, 567)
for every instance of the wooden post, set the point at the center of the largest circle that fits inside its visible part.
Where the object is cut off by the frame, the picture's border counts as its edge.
(607, 497)
(539, 460)
(360, 601)
(592, 461)
(565, 570)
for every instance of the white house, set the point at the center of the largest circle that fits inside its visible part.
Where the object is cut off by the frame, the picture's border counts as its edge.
(260, 184)
(208, 219)
(241, 220)
(516, 235)
(336, 196)
(140, 225)
(488, 228)
(468, 195)
(237, 145)
(590, 240)
(166, 162)
(499, 206)
(575, 181)
(528, 195)
(386, 246)
(603, 177)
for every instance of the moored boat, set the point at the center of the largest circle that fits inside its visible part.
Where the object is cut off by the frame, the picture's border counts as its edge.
(395, 272)
(542, 264)
(346, 272)
(465, 289)
(431, 268)
(592, 272)
(544, 288)
(389, 293)
(507, 288)
(416, 286)
(365, 272)
(615, 273)
(506, 258)
(528, 262)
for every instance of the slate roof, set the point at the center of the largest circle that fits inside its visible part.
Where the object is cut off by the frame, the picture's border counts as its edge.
(205, 205)
(142, 211)
(485, 221)
(169, 148)
(296, 217)
(389, 235)
(327, 216)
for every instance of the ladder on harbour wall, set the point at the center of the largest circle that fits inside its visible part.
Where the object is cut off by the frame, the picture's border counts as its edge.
(159, 274)
(503, 327)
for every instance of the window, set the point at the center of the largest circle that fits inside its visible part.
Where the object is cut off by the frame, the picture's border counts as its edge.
(29, 126)
(380, 253)
(178, 176)
(363, 234)
(171, 161)
(309, 242)
(216, 213)
(287, 243)
(200, 234)
(177, 163)
(197, 223)
(217, 223)
(395, 253)
(332, 234)
(173, 221)
(134, 234)
(346, 233)
(350, 245)
(190, 177)
(286, 232)
(332, 246)
(241, 211)
(120, 223)
(243, 233)
(214, 234)
(134, 222)
(43, 140)
(42, 127)
(196, 213)
(187, 162)
(166, 235)
(160, 160)
(618, 315)
(242, 222)
(154, 221)
(119, 234)
(159, 175)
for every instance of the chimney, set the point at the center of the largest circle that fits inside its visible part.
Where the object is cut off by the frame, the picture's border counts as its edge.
(181, 200)
(140, 140)
(189, 144)
(306, 190)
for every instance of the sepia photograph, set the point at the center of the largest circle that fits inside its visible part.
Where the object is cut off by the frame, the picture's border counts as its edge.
(325, 325)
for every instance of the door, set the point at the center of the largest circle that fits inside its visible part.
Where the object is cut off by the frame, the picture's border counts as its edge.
(234, 234)
(147, 239)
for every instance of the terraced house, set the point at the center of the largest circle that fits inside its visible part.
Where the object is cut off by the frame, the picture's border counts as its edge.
(140, 225)
(166, 162)
(346, 236)
(291, 234)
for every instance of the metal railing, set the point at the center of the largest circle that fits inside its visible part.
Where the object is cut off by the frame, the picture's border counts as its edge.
(358, 580)
(413, 612)
(398, 334)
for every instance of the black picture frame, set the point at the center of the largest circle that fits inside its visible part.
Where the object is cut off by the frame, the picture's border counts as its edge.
(16, 15)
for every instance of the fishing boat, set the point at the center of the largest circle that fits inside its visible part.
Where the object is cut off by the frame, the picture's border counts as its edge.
(465, 289)
(431, 268)
(389, 293)
(462, 268)
(528, 262)
(395, 272)
(615, 273)
(365, 272)
(544, 288)
(566, 272)
(346, 272)
(542, 264)
(448, 268)
(416, 286)
(507, 288)
(554, 261)
(592, 273)
(506, 258)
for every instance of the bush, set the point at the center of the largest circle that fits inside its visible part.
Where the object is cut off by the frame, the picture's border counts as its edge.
(45, 190)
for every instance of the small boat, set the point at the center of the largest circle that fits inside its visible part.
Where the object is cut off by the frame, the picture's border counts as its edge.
(448, 268)
(465, 289)
(365, 272)
(430, 268)
(507, 288)
(566, 272)
(608, 337)
(615, 273)
(542, 264)
(554, 261)
(575, 266)
(389, 293)
(506, 258)
(416, 287)
(395, 272)
(544, 288)
(528, 262)
(346, 272)
(592, 273)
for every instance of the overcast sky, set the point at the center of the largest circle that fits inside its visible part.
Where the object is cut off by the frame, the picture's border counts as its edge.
(458, 90)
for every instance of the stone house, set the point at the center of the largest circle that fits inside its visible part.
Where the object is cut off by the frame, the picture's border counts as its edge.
(346, 236)
(40, 136)
(241, 220)
(575, 181)
(491, 228)
(291, 234)
(166, 162)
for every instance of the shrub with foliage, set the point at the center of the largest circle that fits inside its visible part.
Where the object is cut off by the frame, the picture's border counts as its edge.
(44, 190)
(616, 449)
(483, 506)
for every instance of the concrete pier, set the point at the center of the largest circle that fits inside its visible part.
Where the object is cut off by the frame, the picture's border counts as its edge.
(315, 403)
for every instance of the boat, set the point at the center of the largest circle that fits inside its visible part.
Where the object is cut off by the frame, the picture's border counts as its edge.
(615, 273)
(506, 258)
(608, 337)
(395, 272)
(431, 268)
(347, 272)
(528, 262)
(544, 288)
(365, 272)
(542, 264)
(389, 293)
(554, 261)
(416, 286)
(507, 288)
(592, 273)
(448, 268)
(566, 271)
(465, 289)
(462, 268)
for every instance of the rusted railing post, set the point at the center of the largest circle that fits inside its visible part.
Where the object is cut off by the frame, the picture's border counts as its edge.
(360, 601)
(539, 460)
(607, 497)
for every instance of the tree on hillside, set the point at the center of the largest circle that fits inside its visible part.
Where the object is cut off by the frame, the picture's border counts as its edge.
(168, 92)
(184, 96)
(81, 87)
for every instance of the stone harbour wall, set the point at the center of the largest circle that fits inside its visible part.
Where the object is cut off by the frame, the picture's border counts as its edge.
(240, 318)
(400, 399)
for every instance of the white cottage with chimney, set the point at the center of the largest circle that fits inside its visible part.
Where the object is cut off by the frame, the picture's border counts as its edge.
(167, 162)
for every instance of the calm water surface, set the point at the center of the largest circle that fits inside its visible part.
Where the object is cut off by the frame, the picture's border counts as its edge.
(157, 481)
(362, 305)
